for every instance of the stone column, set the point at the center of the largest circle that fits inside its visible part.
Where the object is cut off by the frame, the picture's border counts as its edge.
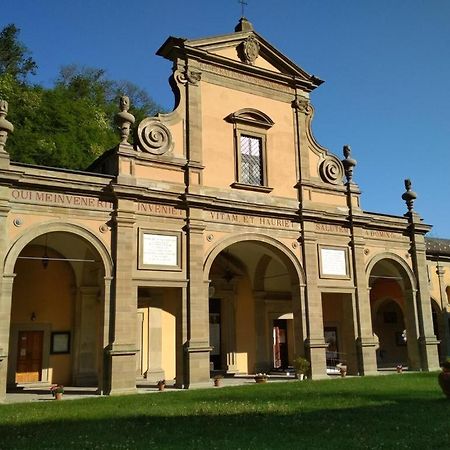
(181, 339)
(365, 341)
(298, 310)
(229, 318)
(443, 316)
(262, 362)
(155, 371)
(197, 348)
(412, 330)
(86, 340)
(122, 351)
(105, 337)
(427, 339)
(315, 342)
(6, 286)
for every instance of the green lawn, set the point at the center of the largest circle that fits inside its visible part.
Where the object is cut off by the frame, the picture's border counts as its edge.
(390, 412)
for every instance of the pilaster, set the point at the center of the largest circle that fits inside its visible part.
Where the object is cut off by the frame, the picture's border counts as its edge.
(315, 341)
(427, 340)
(197, 348)
(6, 286)
(365, 340)
(122, 351)
(444, 315)
(86, 337)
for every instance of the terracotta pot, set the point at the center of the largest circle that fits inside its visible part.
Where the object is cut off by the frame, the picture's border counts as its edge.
(216, 382)
(161, 387)
(58, 395)
(444, 382)
(261, 380)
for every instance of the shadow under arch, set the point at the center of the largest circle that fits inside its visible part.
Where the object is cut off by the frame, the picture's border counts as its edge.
(48, 227)
(398, 262)
(292, 264)
(104, 262)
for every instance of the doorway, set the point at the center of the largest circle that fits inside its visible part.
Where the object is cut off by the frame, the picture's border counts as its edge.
(280, 344)
(29, 356)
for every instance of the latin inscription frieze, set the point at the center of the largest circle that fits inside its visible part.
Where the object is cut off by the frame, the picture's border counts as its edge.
(242, 219)
(159, 210)
(54, 198)
(380, 234)
(242, 77)
(327, 228)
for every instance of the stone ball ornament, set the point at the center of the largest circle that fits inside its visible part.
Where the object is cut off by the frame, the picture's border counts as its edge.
(154, 137)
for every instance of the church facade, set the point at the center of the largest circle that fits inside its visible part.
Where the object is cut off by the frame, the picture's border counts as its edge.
(224, 238)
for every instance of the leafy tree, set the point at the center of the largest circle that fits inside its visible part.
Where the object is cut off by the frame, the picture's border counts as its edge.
(14, 59)
(70, 124)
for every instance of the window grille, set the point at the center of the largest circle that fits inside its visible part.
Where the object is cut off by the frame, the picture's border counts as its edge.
(251, 160)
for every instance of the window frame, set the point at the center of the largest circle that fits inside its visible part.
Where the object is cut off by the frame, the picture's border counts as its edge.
(253, 124)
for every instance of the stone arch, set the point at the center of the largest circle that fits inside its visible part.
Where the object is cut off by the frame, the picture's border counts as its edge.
(396, 259)
(85, 360)
(381, 301)
(284, 252)
(48, 227)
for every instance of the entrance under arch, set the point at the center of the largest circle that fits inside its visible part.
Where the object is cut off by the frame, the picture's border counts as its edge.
(394, 317)
(57, 313)
(255, 315)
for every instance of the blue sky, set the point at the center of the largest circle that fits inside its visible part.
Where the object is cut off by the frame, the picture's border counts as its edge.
(385, 64)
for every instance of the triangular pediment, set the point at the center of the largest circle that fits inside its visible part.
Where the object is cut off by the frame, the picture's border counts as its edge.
(245, 48)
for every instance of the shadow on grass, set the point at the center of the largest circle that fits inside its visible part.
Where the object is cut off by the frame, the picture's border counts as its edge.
(415, 423)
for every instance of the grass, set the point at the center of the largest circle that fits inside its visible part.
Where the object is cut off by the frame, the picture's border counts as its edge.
(384, 412)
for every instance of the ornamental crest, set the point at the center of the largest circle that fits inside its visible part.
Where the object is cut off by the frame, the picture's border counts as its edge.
(249, 50)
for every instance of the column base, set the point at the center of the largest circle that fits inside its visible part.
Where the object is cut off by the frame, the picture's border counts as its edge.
(122, 373)
(316, 351)
(197, 364)
(367, 358)
(429, 353)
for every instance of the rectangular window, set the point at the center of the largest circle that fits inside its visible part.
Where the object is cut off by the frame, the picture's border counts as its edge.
(251, 160)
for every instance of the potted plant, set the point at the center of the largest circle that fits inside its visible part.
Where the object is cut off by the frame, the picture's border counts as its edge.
(399, 368)
(444, 377)
(261, 378)
(217, 380)
(161, 384)
(301, 367)
(57, 391)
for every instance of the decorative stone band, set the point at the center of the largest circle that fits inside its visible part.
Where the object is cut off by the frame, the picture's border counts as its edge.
(331, 170)
(154, 137)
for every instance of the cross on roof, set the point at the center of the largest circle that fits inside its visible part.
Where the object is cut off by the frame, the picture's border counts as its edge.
(243, 5)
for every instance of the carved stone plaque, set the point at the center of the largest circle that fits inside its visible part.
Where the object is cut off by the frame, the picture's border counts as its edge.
(333, 262)
(159, 249)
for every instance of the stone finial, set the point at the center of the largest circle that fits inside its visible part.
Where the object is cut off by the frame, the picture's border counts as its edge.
(348, 163)
(124, 119)
(409, 196)
(5, 126)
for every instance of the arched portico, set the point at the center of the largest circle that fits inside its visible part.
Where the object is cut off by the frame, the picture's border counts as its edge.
(256, 304)
(55, 298)
(394, 313)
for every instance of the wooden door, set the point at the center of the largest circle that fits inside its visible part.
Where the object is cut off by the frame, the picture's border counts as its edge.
(29, 356)
(280, 345)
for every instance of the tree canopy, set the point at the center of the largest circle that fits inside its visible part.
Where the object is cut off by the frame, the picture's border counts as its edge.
(70, 124)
